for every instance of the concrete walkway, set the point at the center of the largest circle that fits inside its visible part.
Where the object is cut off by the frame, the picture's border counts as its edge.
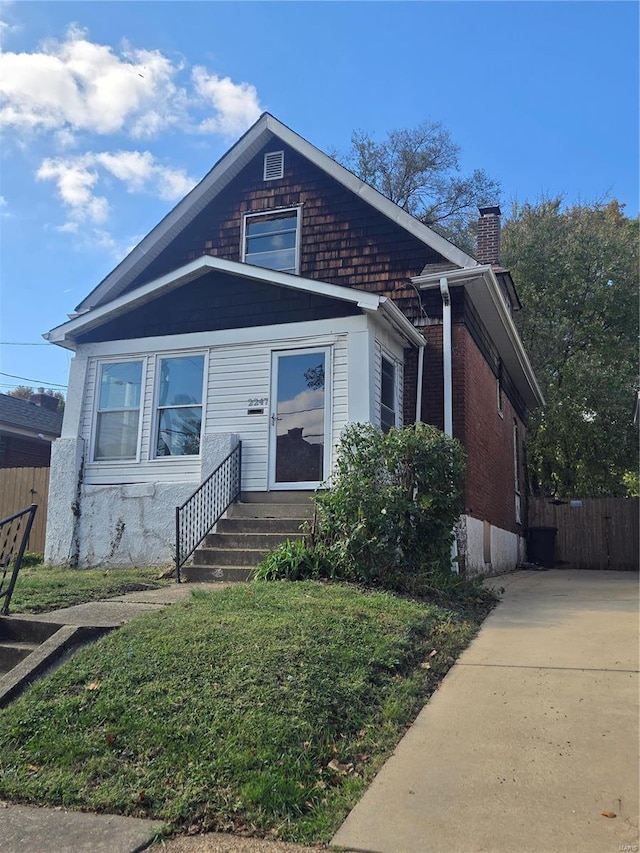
(532, 735)
(114, 612)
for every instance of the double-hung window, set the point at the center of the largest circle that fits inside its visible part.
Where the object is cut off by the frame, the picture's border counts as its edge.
(388, 397)
(118, 415)
(272, 240)
(179, 406)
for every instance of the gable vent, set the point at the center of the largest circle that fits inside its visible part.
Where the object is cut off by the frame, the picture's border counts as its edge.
(273, 165)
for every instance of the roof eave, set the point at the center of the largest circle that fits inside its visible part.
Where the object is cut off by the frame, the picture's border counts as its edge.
(66, 334)
(484, 290)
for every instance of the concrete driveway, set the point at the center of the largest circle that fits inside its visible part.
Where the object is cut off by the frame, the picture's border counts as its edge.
(531, 737)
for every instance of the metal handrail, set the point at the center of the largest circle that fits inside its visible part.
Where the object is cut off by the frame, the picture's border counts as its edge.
(9, 535)
(198, 514)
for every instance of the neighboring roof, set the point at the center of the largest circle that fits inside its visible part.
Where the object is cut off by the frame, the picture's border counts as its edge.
(65, 335)
(28, 418)
(487, 298)
(263, 131)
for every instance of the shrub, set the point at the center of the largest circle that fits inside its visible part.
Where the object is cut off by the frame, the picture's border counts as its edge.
(388, 516)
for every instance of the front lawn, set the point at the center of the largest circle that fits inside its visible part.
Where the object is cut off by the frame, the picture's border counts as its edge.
(265, 707)
(40, 588)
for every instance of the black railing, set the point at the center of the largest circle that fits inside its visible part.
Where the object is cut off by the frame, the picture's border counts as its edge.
(198, 514)
(14, 534)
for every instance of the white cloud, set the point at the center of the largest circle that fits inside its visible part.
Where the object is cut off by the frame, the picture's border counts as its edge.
(77, 85)
(236, 104)
(140, 171)
(77, 178)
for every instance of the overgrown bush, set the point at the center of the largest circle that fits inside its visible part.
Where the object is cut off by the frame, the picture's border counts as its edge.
(388, 516)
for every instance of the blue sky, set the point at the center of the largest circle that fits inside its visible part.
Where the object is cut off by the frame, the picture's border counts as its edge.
(111, 111)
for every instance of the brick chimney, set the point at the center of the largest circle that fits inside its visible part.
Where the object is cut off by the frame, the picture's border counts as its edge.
(45, 400)
(489, 235)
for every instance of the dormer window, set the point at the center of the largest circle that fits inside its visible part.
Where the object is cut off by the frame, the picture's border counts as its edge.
(271, 240)
(273, 165)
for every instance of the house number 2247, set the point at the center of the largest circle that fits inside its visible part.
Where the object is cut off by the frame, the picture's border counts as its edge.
(258, 401)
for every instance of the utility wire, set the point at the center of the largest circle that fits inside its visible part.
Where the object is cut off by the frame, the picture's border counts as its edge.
(21, 344)
(41, 382)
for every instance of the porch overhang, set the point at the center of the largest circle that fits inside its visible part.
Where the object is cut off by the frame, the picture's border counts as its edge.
(482, 287)
(66, 335)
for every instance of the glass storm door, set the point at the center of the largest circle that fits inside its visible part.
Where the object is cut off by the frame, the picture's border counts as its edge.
(299, 419)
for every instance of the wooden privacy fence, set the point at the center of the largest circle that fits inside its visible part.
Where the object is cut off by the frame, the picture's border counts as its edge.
(593, 533)
(20, 487)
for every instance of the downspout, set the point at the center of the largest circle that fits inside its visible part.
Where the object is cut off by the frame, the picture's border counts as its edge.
(419, 388)
(448, 396)
(446, 355)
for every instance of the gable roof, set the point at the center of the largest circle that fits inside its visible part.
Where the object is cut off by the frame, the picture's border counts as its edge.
(266, 129)
(65, 335)
(29, 418)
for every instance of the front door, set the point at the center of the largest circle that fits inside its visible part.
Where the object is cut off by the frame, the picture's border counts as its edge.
(299, 419)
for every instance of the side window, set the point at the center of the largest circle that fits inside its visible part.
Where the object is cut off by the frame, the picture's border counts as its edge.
(118, 413)
(516, 467)
(179, 406)
(271, 240)
(388, 396)
(499, 389)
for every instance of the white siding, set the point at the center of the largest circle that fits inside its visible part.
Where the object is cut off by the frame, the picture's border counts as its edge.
(234, 375)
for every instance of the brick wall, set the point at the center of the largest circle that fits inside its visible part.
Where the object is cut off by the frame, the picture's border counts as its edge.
(488, 438)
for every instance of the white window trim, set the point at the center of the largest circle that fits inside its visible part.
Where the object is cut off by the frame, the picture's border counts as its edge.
(100, 363)
(254, 214)
(386, 356)
(152, 456)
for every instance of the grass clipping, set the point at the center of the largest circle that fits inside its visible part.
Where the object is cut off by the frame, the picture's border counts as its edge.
(264, 708)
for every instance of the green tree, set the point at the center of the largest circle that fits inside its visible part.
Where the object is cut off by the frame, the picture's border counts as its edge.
(419, 169)
(576, 270)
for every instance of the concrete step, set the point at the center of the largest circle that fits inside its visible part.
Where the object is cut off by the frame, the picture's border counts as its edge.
(199, 573)
(242, 541)
(279, 497)
(270, 510)
(31, 630)
(288, 526)
(14, 651)
(229, 556)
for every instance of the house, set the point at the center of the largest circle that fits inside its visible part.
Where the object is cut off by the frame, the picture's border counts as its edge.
(280, 300)
(27, 428)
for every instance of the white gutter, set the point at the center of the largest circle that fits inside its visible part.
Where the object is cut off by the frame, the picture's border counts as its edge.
(400, 321)
(483, 288)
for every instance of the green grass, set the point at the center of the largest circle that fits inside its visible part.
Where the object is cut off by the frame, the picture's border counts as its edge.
(260, 708)
(40, 589)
